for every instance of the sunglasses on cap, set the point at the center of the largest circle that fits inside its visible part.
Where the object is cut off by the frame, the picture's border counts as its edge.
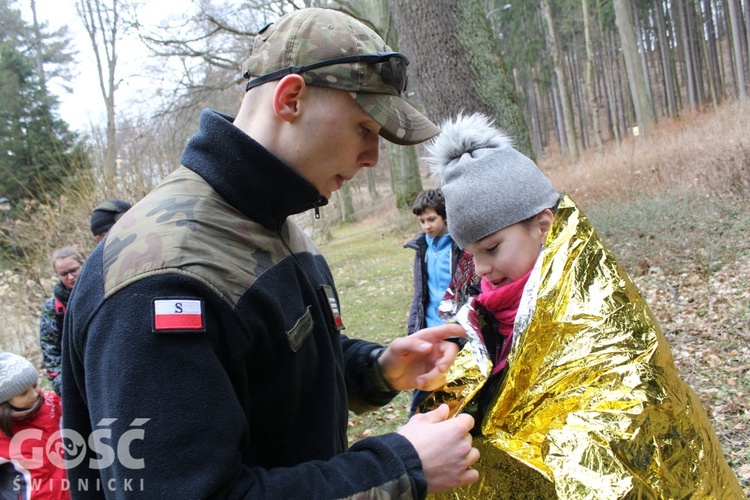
(390, 66)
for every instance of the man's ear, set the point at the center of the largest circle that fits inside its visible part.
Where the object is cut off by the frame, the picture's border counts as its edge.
(287, 95)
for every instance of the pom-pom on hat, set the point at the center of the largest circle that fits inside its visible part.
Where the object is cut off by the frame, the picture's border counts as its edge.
(16, 375)
(487, 184)
(105, 215)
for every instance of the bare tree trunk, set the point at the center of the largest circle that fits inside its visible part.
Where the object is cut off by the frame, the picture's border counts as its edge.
(687, 49)
(664, 52)
(696, 40)
(580, 102)
(558, 115)
(609, 84)
(346, 205)
(622, 99)
(102, 23)
(562, 84)
(372, 185)
(406, 182)
(744, 37)
(402, 177)
(729, 80)
(636, 78)
(739, 62)
(714, 75)
(38, 53)
(589, 74)
(534, 111)
(643, 55)
(469, 60)
(546, 115)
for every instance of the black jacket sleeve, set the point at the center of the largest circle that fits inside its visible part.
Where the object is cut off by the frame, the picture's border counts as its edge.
(160, 416)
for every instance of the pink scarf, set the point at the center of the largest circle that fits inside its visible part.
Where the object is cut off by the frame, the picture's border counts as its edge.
(503, 303)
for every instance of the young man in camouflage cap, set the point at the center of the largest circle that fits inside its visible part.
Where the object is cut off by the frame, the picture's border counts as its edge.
(205, 332)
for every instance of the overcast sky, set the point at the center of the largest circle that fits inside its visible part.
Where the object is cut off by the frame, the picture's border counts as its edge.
(86, 105)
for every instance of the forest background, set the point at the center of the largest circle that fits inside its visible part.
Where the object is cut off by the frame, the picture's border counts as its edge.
(638, 109)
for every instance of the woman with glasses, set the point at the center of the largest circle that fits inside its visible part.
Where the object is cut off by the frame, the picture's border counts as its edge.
(67, 263)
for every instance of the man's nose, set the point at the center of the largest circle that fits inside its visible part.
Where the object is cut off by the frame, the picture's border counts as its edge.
(369, 158)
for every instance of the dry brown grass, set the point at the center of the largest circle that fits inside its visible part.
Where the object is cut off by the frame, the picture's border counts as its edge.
(708, 154)
(34, 231)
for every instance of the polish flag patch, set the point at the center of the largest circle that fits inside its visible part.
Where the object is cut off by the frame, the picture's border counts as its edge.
(178, 315)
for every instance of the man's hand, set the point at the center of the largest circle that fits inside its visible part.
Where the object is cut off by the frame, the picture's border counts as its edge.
(444, 447)
(420, 360)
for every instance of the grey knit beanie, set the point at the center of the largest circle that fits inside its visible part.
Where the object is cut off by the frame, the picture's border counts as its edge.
(487, 184)
(16, 375)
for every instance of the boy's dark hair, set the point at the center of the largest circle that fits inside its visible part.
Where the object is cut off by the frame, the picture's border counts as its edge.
(429, 198)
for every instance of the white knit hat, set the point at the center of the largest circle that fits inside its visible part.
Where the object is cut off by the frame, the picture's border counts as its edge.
(487, 184)
(16, 375)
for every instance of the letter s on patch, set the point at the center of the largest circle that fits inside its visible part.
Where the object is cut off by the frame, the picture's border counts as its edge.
(178, 315)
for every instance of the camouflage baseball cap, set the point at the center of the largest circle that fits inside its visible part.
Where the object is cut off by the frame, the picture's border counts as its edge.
(331, 49)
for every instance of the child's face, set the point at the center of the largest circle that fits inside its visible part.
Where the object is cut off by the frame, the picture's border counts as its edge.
(25, 399)
(508, 254)
(432, 224)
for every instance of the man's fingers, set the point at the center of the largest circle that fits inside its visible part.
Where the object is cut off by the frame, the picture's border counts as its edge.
(432, 380)
(437, 415)
(473, 457)
(470, 476)
(424, 340)
(464, 418)
(442, 332)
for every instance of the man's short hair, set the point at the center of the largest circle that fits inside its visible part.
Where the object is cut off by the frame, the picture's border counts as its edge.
(429, 198)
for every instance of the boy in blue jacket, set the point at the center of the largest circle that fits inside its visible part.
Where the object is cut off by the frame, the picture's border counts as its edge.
(436, 262)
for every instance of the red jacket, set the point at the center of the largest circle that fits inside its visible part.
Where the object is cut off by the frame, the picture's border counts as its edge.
(31, 459)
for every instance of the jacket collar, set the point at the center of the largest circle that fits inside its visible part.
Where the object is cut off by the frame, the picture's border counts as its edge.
(247, 175)
(417, 242)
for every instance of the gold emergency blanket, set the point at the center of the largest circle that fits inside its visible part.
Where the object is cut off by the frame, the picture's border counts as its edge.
(592, 406)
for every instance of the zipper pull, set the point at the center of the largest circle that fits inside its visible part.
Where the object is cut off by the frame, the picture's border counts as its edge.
(317, 210)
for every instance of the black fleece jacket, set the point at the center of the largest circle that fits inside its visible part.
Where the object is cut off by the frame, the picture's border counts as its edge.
(249, 396)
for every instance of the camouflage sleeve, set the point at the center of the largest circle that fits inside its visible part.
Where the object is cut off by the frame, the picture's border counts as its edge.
(50, 336)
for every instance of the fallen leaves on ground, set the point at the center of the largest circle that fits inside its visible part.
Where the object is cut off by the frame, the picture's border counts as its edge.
(707, 324)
